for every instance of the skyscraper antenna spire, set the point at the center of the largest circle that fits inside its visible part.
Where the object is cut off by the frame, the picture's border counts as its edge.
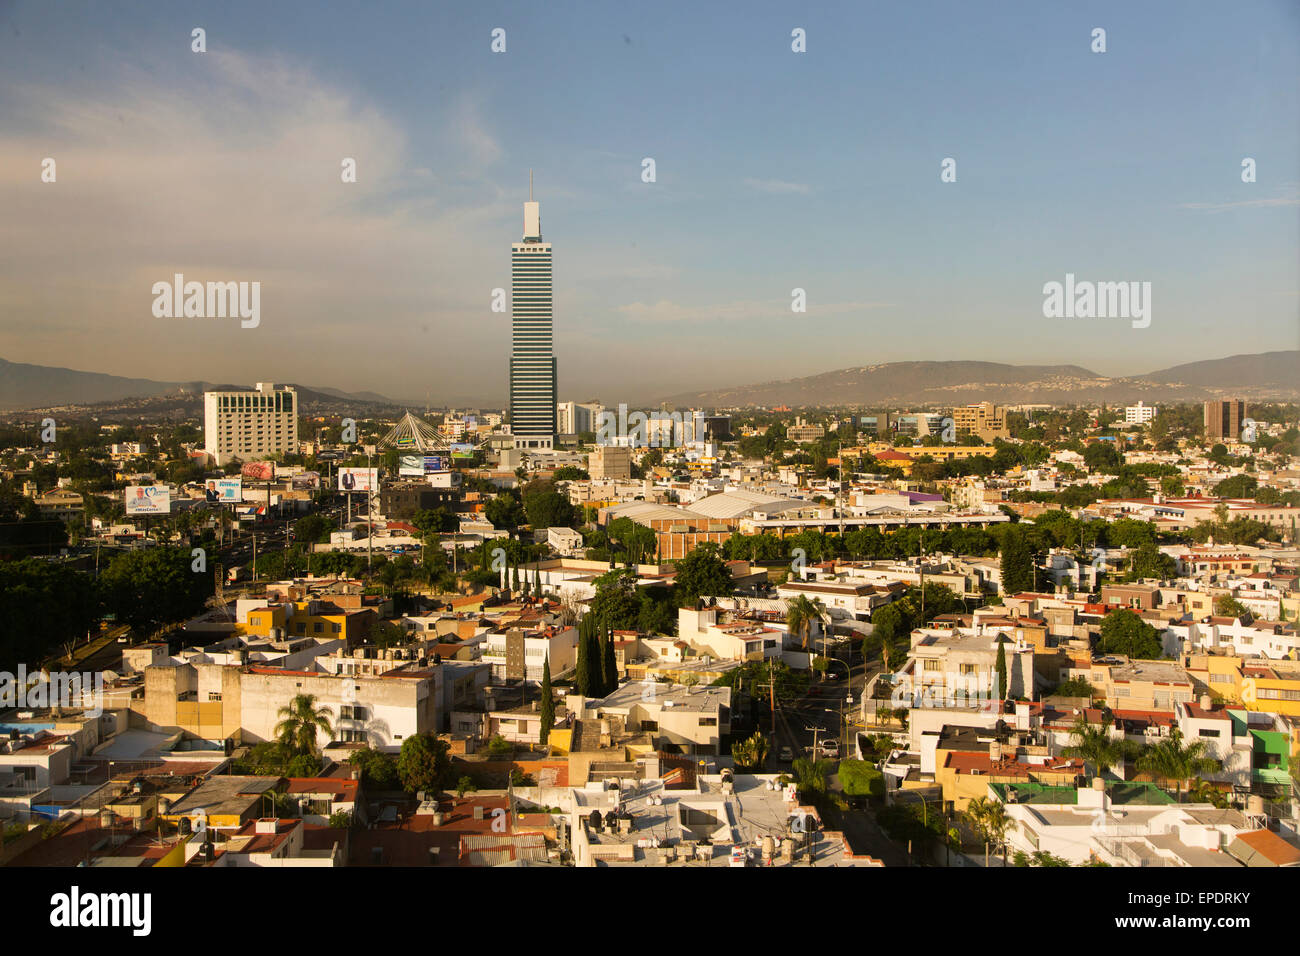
(530, 185)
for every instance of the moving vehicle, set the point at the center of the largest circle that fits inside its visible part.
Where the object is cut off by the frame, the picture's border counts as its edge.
(785, 755)
(830, 748)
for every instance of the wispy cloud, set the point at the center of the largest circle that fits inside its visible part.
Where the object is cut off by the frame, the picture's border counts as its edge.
(777, 186)
(1292, 198)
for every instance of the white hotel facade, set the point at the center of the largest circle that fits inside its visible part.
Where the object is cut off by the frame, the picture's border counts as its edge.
(250, 425)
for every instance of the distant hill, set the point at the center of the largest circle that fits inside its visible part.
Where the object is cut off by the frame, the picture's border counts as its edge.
(1270, 375)
(38, 386)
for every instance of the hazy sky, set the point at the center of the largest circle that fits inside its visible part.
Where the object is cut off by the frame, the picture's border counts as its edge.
(775, 170)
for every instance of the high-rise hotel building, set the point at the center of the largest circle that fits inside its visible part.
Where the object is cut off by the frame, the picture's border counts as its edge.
(532, 348)
(250, 425)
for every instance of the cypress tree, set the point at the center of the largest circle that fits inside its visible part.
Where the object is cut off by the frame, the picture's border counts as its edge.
(602, 646)
(1002, 667)
(514, 578)
(547, 708)
(610, 666)
(537, 580)
(583, 671)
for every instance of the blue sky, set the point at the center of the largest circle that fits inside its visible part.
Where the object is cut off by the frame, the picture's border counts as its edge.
(775, 170)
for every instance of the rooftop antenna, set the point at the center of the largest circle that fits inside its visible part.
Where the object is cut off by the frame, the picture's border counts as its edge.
(530, 185)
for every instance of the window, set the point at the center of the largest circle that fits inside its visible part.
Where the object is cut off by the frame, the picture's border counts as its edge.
(1208, 733)
(708, 721)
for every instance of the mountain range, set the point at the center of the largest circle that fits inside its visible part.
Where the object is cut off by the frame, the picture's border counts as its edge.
(1267, 375)
(1263, 376)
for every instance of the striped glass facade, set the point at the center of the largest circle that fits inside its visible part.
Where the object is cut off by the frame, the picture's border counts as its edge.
(532, 351)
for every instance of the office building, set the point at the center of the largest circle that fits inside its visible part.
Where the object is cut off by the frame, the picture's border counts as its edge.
(984, 420)
(250, 425)
(532, 351)
(1223, 419)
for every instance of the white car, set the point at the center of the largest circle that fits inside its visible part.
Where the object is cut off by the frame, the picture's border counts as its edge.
(830, 748)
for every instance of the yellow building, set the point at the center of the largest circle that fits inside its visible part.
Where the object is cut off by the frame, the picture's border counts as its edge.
(319, 619)
(1250, 682)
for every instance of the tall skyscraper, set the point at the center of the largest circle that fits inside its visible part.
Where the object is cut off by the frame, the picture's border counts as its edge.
(532, 349)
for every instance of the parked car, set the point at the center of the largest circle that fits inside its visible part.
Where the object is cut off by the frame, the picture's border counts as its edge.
(830, 748)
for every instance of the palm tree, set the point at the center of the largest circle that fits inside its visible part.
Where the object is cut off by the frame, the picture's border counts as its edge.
(1171, 760)
(300, 721)
(989, 819)
(1093, 745)
(800, 615)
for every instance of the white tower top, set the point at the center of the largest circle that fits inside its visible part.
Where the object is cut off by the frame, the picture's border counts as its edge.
(532, 214)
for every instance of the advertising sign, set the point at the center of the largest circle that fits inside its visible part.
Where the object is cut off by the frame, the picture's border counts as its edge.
(420, 465)
(225, 491)
(358, 479)
(259, 470)
(462, 449)
(306, 481)
(148, 500)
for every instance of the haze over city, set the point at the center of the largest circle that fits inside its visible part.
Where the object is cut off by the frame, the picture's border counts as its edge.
(774, 171)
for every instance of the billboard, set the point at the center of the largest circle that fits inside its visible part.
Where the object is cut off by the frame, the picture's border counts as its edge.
(358, 479)
(224, 491)
(306, 481)
(260, 470)
(148, 500)
(423, 464)
(462, 449)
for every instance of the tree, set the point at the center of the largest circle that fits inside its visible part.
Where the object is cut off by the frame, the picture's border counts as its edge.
(1170, 759)
(751, 753)
(1003, 687)
(609, 666)
(1102, 456)
(42, 605)
(153, 587)
(546, 710)
(1075, 687)
(1225, 605)
(989, 819)
(801, 614)
(888, 624)
(860, 778)
(1017, 562)
(300, 720)
(1148, 561)
(615, 604)
(545, 507)
(423, 763)
(1124, 632)
(1238, 486)
(1095, 747)
(583, 667)
(810, 773)
(378, 769)
(505, 512)
(701, 573)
